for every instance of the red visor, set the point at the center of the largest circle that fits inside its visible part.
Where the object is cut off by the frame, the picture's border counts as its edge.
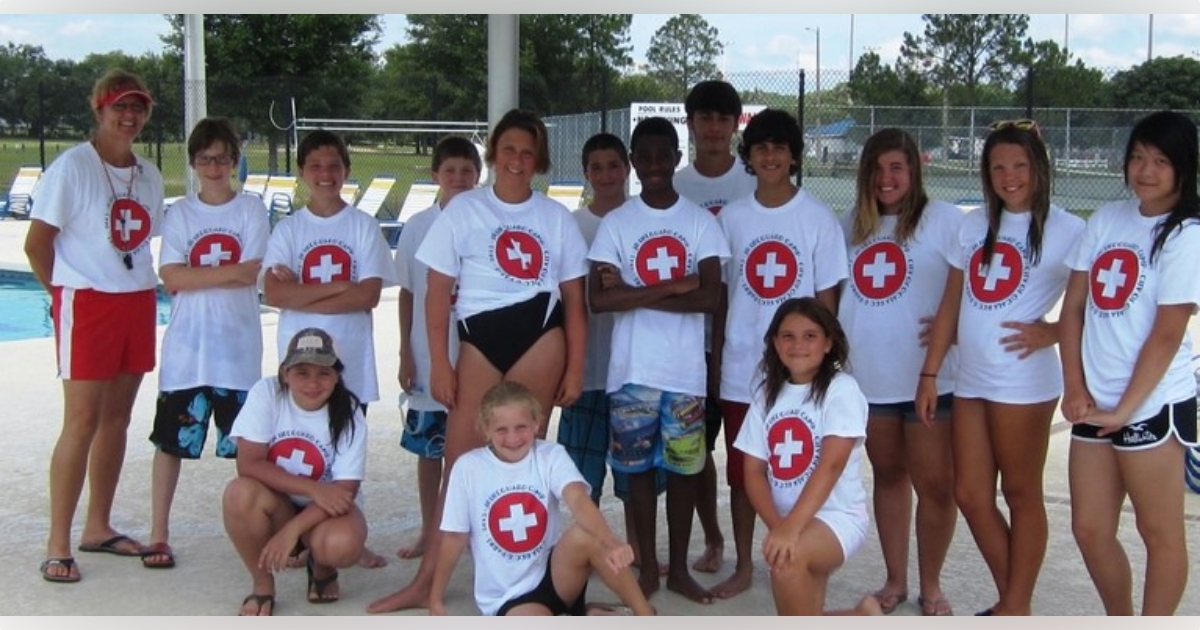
(122, 92)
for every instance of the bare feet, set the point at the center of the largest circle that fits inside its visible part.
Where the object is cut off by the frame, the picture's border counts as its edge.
(415, 549)
(711, 560)
(257, 605)
(415, 595)
(734, 584)
(683, 583)
(868, 605)
(371, 560)
(889, 599)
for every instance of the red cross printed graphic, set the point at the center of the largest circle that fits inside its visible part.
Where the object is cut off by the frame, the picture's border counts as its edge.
(1113, 278)
(128, 224)
(880, 270)
(325, 264)
(660, 259)
(771, 269)
(214, 250)
(298, 456)
(519, 254)
(997, 281)
(791, 444)
(517, 522)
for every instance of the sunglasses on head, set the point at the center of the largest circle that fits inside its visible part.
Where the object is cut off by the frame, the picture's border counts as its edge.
(1021, 124)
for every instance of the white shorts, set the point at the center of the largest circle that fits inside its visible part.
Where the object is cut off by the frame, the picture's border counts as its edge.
(850, 528)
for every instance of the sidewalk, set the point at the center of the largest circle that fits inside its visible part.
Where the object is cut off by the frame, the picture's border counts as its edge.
(209, 579)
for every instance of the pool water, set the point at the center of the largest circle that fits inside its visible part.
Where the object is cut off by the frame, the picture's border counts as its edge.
(25, 307)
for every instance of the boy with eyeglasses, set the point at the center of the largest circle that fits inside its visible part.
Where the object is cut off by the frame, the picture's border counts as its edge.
(212, 247)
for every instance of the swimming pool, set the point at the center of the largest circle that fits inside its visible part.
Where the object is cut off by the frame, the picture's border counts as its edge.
(25, 307)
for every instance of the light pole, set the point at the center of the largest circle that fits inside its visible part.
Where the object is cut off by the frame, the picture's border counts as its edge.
(817, 131)
(1066, 31)
(1150, 39)
(851, 61)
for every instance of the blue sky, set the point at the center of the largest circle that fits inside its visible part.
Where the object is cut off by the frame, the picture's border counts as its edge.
(753, 42)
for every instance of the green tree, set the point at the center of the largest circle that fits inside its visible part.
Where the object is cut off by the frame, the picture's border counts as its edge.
(24, 70)
(566, 63)
(254, 62)
(684, 51)
(875, 83)
(582, 53)
(1058, 83)
(967, 49)
(1161, 83)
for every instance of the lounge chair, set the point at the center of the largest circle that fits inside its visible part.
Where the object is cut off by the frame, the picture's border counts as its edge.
(350, 190)
(19, 200)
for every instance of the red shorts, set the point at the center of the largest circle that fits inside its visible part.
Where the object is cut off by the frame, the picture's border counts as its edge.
(100, 335)
(734, 414)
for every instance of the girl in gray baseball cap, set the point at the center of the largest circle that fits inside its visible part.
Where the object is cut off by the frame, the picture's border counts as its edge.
(302, 445)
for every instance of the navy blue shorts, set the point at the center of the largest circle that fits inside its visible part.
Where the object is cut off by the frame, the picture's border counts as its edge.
(1178, 419)
(545, 594)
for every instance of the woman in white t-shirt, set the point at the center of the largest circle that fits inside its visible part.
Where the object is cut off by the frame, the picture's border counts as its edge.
(93, 215)
(1009, 273)
(511, 263)
(900, 246)
(1130, 391)
(803, 440)
(302, 447)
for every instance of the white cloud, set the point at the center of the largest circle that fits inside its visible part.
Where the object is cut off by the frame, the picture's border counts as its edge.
(75, 29)
(16, 35)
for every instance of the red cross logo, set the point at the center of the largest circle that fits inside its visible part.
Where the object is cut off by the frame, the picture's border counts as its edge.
(771, 269)
(517, 522)
(519, 254)
(999, 279)
(1114, 276)
(660, 259)
(214, 250)
(128, 224)
(791, 444)
(325, 264)
(299, 457)
(880, 270)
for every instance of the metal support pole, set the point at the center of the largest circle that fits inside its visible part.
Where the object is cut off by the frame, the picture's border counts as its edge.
(195, 98)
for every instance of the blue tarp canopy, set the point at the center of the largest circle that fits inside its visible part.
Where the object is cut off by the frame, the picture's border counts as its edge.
(832, 130)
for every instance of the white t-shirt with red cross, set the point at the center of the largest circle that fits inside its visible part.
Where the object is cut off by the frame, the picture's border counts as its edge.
(892, 285)
(788, 438)
(510, 510)
(347, 246)
(779, 253)
(503, 253)
(1125, 290)
(299, 441)
(656, 348)
(714, 193)
(412, 275)
(1010, 288)
(214, 337)
(96, 227)
(600, 325)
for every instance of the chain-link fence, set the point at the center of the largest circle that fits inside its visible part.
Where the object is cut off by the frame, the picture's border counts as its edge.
(1086, 144)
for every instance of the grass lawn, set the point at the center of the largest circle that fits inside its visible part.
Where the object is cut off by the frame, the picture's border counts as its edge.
(366, 163)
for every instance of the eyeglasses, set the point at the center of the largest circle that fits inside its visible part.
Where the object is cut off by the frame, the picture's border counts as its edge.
(136, 107)
(219, 160)
(1021, 124)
